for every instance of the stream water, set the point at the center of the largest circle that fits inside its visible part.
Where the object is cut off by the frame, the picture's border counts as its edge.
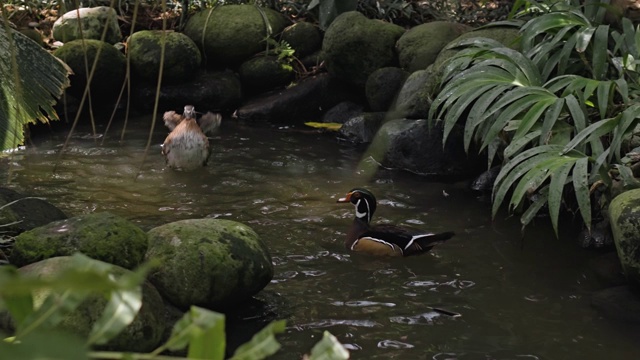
(519, 298)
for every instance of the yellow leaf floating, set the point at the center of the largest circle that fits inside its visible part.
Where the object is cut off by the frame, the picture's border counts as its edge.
(326, 126)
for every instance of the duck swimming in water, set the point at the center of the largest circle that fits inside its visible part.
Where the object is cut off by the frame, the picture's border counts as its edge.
(384, 239)
(187, 146)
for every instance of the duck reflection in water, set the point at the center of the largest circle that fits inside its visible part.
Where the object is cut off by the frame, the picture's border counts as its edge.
(187, 146)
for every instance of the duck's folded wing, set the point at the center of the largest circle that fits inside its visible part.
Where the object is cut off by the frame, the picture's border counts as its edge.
(209, 122)
(171, 119)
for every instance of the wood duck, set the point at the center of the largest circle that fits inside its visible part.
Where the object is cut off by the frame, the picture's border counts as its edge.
(187, 146)
(384, 239)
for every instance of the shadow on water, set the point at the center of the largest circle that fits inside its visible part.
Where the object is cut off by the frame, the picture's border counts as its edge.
(519, 298)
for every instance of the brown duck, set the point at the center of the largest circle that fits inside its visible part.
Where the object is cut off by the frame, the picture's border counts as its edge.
(187, 146)
(384, 239)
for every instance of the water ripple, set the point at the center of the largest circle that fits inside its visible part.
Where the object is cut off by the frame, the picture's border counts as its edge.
(334, 322)
(362, 303)
(393, 344)
(420, 319)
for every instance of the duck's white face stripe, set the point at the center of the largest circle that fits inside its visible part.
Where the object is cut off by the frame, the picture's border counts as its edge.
(413, 238)
(361, 215)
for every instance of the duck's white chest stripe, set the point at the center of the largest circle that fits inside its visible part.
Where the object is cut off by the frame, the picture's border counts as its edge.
(373, 239)
(413, 238)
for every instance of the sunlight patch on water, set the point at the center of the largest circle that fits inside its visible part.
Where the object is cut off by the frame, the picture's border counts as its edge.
(393, 344)
(362, 303)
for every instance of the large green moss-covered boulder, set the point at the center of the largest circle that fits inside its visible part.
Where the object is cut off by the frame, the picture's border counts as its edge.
(101, 236)
(228, 35)
(143, 335)
(264, 73)
(181, 56)
(92, 21)
(211, 263)
(304, 37)
(419, 47)
(355, 46)
(110, 68)
(624, 215)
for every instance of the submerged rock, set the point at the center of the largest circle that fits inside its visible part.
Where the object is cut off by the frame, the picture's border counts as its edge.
(362, 128)
(181, 56)
(25, 214)
(101, 236)
(92, 20)
(211, 263)
(142, 335)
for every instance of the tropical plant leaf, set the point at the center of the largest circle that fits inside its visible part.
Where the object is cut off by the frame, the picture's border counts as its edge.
(329, 348)
(600, 56)
(580, 175)
(32, 80)
(555, 194)
(50, 345)
(263, 344)
(202, 330)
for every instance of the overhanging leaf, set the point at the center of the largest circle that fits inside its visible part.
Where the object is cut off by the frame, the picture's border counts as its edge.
(32, 80)
(262, 345)
(329, 348)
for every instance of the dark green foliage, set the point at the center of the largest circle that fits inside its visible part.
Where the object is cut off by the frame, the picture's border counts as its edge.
(556, 112)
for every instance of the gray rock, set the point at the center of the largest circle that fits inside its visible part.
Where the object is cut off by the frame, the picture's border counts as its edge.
(414, 98)
(25, 214)
(342, 112)
(142, 335)
(211, 263)
(181, 56)
(362, 128)
(304, 37)
(228, 35)
(101, 236)
(305, 101)
(624, 214)
(355, 46)
(419, 47)
(485, 181)
(382, 87)
(263, 73)
(92, 21)
(215, 91)
(413, 146)
(109, 74)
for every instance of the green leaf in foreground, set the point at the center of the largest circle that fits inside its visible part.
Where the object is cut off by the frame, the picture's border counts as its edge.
(32, 80)
(45, 345)
(202, 330)
(329, 348)
(263, 344)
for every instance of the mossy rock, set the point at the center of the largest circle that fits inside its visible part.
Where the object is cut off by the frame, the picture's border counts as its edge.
(26, 212)
(304, 37)
(92, 20)
(211, 263)
(413, 101)
(101, 236)
(382, 87)
(624, 214)
(264, 73)
(228, 35)
(419, 47)
(181, 56)
(143, 335)
(354, 46)
(110, 68)
(506, 35)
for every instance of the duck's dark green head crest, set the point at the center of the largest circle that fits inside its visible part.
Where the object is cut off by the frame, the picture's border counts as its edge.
(364, 201)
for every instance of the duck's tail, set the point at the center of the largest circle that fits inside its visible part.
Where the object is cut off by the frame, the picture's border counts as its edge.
(423, 243)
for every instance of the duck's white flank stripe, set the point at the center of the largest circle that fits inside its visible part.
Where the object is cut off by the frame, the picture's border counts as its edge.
(413, 238)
